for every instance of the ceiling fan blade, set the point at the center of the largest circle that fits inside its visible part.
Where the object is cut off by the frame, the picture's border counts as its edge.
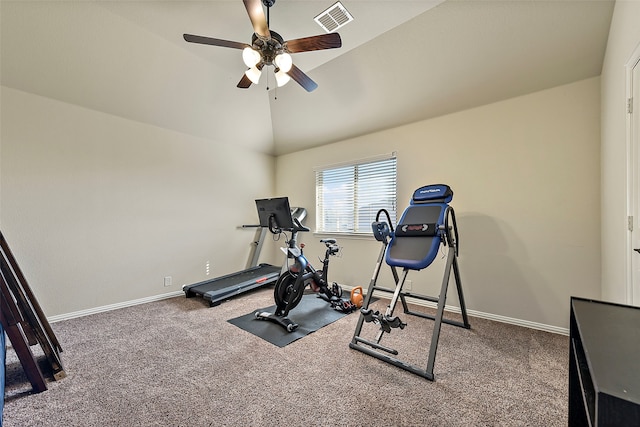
(258, 20)
(324, 41)
(244, 82)
(214, 42)
(303, 80)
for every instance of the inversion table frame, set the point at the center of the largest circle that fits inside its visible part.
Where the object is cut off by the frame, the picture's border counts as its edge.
(436, 225)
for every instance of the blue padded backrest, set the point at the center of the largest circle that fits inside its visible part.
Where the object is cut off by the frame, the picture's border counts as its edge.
(428, 206)
(432, 194)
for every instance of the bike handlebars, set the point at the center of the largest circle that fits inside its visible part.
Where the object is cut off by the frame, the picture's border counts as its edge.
(299, 226)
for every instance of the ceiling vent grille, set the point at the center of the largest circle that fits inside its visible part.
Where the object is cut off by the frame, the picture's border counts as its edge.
(333, 18)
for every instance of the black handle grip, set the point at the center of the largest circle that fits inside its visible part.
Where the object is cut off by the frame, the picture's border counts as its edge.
(300, 226)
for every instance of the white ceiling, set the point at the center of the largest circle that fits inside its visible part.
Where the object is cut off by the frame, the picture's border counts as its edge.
(401, 61)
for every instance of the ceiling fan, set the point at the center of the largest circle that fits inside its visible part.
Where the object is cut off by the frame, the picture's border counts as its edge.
(269, 48)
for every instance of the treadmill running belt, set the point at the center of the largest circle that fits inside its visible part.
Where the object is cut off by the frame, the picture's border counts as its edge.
(222, 288)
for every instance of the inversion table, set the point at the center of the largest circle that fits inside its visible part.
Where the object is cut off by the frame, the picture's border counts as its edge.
(426, 223)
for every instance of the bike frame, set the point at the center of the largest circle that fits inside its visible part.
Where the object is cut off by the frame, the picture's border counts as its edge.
(291, 284)
(305, 272)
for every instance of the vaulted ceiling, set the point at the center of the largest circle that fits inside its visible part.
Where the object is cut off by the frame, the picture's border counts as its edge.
(401, 61)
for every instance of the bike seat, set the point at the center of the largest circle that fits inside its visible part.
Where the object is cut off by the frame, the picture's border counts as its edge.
(329, 241)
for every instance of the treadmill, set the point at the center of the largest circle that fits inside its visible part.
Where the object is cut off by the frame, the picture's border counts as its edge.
(222, 288)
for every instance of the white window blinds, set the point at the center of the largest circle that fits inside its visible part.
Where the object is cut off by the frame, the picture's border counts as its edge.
(349, 196)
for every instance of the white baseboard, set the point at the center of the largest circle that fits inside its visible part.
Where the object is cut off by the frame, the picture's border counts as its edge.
(495, 317)
(518, 322)
(110, 307)
(452, 309)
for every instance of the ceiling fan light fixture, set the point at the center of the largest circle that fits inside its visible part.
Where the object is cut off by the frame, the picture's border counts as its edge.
(253, 74)
(268, 48)
(282, 78)
(284, 62)
(250, 57)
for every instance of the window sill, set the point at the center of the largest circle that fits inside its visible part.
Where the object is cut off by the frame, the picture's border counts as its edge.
(349, 236)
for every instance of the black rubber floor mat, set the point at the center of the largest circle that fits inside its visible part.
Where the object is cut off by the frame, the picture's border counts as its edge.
(311, 314)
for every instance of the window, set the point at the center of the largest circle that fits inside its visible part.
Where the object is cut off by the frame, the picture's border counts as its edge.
(349, 196)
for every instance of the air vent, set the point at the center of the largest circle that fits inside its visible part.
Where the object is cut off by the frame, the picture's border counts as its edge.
(333, 18)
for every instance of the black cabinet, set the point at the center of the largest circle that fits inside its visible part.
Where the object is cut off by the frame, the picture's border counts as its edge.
(604, 364)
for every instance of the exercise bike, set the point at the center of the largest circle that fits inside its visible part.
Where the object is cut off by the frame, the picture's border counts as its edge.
(290, 286)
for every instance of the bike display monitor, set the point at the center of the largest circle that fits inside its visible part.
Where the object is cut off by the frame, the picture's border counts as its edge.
(275, 213)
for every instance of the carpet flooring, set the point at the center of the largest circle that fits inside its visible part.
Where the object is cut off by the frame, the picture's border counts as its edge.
(178, 362)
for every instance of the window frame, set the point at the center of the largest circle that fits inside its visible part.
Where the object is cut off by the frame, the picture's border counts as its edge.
(361, 224)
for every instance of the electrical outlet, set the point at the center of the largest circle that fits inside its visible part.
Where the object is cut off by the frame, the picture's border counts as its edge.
(167, 281)
(408, 284)
(207, 268)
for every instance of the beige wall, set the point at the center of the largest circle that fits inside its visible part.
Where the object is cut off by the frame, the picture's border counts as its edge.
(624, 36)
(99, 209)
(525, 173)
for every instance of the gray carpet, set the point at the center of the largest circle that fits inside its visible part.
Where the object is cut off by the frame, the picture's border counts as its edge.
(178, 362)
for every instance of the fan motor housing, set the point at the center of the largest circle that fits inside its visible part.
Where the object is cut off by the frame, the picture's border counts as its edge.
(268, 48)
